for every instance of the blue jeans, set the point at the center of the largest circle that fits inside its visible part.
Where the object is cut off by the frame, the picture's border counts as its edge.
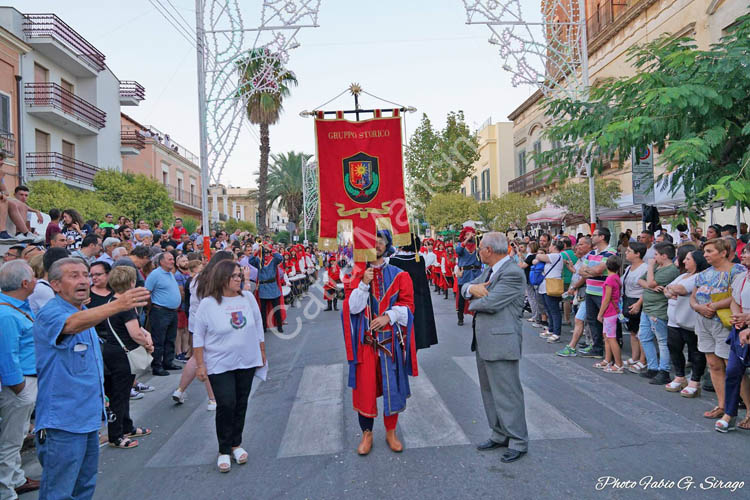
(69, 464)
(654, 328)
(554, 315)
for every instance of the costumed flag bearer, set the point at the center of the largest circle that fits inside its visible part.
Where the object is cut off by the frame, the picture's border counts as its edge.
(379, 334)
(469, 267)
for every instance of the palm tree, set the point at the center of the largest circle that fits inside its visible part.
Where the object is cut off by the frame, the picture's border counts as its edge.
(285, 182)
(262, 69)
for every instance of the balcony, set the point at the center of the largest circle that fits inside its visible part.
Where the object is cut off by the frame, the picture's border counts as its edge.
(165, 141)
(190, 200)
(57, 167)
(7, 144)
(48, 34)
(603, 15)
(529, 181)
(131, 142)
(131, 93)
(54, 104)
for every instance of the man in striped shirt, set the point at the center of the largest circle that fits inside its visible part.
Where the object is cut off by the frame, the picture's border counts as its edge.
(594, 270)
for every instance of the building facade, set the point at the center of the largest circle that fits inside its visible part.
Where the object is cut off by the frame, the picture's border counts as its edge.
(229, 202)
(494, 169)
(613, 26)
(146, 150)
(12, 49)
(69, 125)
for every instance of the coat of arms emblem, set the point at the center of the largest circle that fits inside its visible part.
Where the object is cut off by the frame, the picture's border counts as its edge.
(361, 177)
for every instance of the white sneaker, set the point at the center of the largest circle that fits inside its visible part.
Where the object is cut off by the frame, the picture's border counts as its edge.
(545, 334)
(211, 405)
(178, 396)
(135, 394)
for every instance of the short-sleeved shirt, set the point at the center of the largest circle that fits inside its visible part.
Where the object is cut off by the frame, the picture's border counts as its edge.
(655, 303)
(16, 340)
(552, 269)
(529, 260)
(69, 372)
(177, 233)
(74, 235)
(711, 281)
(678, 309)
(569, 255)
(142, 233)
(118, 322)
(741, 291)
(630, 281)
(613, 281)
(96, 301)
(595, 285)
(164, 290)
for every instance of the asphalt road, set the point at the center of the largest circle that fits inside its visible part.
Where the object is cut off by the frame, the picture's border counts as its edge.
(301, 432)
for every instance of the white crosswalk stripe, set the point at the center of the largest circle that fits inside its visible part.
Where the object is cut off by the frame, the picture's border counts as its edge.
(639, 410)
(311, 428)
(543, 420)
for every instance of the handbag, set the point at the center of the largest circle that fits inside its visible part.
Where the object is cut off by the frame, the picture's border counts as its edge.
(725, 315)
(139, 359)
(554, 286)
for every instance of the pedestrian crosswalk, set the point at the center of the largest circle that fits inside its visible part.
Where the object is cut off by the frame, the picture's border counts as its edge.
(318, 419)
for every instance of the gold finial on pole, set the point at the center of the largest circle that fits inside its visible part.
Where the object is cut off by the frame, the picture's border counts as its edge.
(355, 89)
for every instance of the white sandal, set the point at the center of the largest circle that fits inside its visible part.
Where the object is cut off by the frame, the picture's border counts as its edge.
(240, 455)
(223, 463)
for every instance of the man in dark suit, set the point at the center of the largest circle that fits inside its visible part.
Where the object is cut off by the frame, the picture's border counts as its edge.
(497, 297)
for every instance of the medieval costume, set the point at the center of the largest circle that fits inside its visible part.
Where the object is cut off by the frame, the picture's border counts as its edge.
(329, 290)
(269, 293)
(381, 361)
(425, 332)
(447, 265)
(469, 267)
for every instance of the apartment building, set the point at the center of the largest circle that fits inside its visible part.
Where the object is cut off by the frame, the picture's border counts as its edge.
(146, 150)
(494, 169)
(613, 26)
(240, 203)
(64, 110)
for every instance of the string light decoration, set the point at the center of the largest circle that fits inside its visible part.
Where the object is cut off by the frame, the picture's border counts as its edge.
(230, 50)
(309, 193)
(549, 53)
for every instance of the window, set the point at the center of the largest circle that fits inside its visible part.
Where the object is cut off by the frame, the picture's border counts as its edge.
(4, 114)
(463, 191)
(165, 173)
(475, 187)
(537, 150)
(521, 162)
(68, 160)
(41, 74)
(486, 184)
(41, 141)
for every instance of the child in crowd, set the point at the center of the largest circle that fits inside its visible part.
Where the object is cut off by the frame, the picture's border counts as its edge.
(608, 313)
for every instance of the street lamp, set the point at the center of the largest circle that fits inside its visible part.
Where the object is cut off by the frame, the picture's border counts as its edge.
(550, 54)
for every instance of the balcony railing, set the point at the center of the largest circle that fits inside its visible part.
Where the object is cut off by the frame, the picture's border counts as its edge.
(130, 138)
(53, 95)
(61, 167)
(132, 89)
(8, 144)
(184, 197)
(165, 140)
(529, 181)
(51, 26)
(603, 15)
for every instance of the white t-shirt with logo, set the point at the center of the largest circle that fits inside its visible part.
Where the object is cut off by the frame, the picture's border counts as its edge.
(552, 269)
(230, 333)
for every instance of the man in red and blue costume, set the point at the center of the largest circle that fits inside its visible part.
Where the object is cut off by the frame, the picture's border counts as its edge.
(378, 317)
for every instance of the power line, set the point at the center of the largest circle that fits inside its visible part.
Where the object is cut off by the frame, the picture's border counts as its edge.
(180, 29)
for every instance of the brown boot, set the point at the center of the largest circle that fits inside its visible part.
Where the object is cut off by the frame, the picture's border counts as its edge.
(366, 444)
(393, 442)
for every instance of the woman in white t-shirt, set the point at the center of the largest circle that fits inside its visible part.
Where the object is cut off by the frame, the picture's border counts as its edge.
(681, 323)
(553, 267)
(142, 232)
(736, 383)
(228, 345)
(632, 300)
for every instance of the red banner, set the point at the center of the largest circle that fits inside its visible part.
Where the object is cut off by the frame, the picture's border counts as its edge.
(361, 179)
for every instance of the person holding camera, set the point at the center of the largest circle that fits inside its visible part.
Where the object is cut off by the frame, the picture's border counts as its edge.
(469, 266)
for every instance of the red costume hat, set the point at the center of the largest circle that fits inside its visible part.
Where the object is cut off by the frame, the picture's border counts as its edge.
(466, 230)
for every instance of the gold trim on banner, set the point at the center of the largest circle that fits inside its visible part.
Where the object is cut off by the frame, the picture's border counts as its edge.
(328, 243)
(402, 240)
(365, 255)
(363, 212)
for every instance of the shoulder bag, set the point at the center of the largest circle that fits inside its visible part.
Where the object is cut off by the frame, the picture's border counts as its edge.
(554, 286)
(139, 358)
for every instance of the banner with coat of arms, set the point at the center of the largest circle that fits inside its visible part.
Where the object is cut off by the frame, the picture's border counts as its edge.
(361, 180)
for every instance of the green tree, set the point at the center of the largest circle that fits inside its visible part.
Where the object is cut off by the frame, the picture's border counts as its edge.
(232, 225)
(263, 108)
(506, 211)
(190, 224)
(285, 182)
(574, 196)
(438, 162)
(692, 105)
(46, 195)
(282, 237)
(134, 195)
(451, 209)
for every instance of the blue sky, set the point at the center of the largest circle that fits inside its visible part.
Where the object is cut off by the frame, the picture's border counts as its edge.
(416, 52)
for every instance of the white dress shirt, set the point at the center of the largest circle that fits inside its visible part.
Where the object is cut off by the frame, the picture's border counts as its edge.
(358, 302)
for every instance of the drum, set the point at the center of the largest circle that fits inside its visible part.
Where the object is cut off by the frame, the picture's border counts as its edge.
(340, 291)
(297, 277)
(286, 290)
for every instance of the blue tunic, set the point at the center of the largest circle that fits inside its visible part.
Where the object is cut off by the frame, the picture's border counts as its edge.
(466, 259)
(268, 274)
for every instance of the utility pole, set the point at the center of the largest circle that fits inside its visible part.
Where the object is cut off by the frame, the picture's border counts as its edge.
(200, 37)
